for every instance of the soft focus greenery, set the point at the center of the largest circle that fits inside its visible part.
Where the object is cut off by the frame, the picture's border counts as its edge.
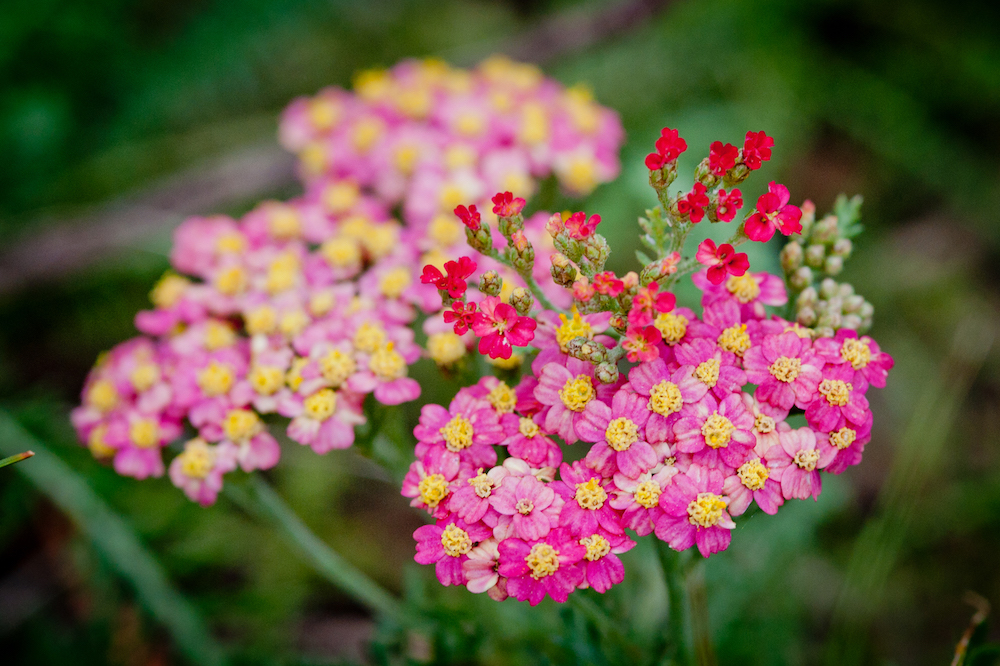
(899, 102)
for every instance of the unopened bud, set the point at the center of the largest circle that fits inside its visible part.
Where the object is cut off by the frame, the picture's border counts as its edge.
(596, 251)
(791, 257)
(851, 321)
(808, 217)
(490, 283)
(842, 248)
(661, 178)
(815, 254)
(563, 271)
(827, 288)
(829, 319)
(737, 174)
(703, 174)
(853, 303)
(480, 240)
(554, 225)
(866, 310)
(806, 316)
(801, 278)
(606, 373)
(619, 323)
(845, 289)
(807, 298)
(587, 350)
(825, 231)
(824, 332)
(522, 300)
(833, 265)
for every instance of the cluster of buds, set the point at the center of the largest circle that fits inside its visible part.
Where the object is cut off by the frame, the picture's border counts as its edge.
(307, 307)
(687, 418)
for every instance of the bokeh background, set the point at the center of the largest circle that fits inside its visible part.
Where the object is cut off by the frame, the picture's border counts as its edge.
(120, 117)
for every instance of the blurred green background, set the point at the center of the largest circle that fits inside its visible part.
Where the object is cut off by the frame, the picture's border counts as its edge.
(119, 117)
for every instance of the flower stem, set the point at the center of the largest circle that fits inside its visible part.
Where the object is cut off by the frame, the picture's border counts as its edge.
(263, 502)
(528, 280)
(17, 457)
(673, 574)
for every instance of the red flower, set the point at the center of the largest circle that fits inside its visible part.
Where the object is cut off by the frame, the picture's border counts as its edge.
(470, 216)
(721, 260)
(462, 315)
(500, 327)
(582, 291)
(648, 302)
(640, 343)
(722, 158)
(773, 212)
(454, 282)
(727, 205)
(668, 148)
(506, 205)
(581, 228)
(693, 205)
(606, 283)
(756, 149)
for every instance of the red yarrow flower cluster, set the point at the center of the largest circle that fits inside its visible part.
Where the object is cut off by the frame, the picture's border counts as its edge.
(648, 302)
(668, 148)
(694, 203)
(580, 227)
(756, 149)
(721, 260)
(470, 216)
(454, 280)
(505, 204)
(773, 213)
(727, 204)
(722, 157)
(501, 328)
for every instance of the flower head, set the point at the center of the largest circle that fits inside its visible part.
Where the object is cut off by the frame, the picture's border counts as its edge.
(580, 227)
(727, 204)
(773, 213)
(668, 148)
(756, 149)
(505, 204)
(500, 328)
(721, 260)
(470, 216)
(693, 204)
(722, 157)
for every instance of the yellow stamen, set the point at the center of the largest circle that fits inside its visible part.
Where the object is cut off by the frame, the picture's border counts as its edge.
(577, 393)
(786, 369)
(590, 495)
(543, 560)
(735, 339)
(321, 405)
(665, 398)
(597, 547)
(743, 287)
(502, 398)
(708, 372)
(621, 433)
(457, 433)
(706, 510)
(753, 474)
(717, 430)
(456, 541)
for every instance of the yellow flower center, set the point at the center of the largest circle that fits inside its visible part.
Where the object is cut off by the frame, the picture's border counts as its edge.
(543, 560)
(856, 352)
(806, 459)
(580, 174)
(369, 337)
(843, 438)
(786, 369)
(293, 322)
(671, 326)
(231, 242)
(340, 197)
(433, 488)
(502, 398)
(718, 430)
(321, 405)
(387, 364)
(457, 433)
(266, 380)
(451, 195)
(197, 459)
(394, 282)
(445, 348)
(527, 427)
(534, 123)
(707, 372)
(405, 157)
(282, 274)
(337, 366)
(572, 328)
(381, 239)
(168, 290)
(241, 425)
(837, 392)
(446, 230)
(323, 113)
(96, 443)
(216, 379)
(341, 252)
(456, 541)
(458, 157)
(665, 398)
(597, 547)
(621, 433)
(735, 339)
(294, 375)
(218, 335)
(743, 287)
(321, 303)
(590, 494)
(284, 222)
(482, 484)
(231, 281)
(763, 424)
(262, 319)
(647, 494)
(102, 395)
(753, 474)
(577, 393)
(524, 506)
(144, 433)
(706, 510)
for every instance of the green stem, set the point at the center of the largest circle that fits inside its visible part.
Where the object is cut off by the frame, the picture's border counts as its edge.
(17, 457)
(673, 574)
(266, 503)
(528, 280)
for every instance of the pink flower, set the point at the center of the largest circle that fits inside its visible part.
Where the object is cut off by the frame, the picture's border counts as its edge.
(618, 432)
(481, 571)
(324, 420)
(580, 228)
(871, 365)
(565, 391)
(721, 260)
(693, 204)
(198, 470)
(454, 282)
(668, 148)
(785, 370)
(500, 327)
(848, 443)
(773, 213)
(751, 291)
(641, 343)
(429, 482)
(447, 545)
(756, 149)
(768, 422)
(838, 403)
(647, 303)
(722, 158)
(713, 367)
(586, 507)
(717, 433)
(606, 283)
(726, 205)
(694, 512)
(529, 443)
(528, 508)
(546, 566)
(753, 481)
(506, 205)
(470, 217)
(602, 569)
(797, 461)
(667, 392)
(470, 500)
(639, 499)
(465, 432)
(462, 315)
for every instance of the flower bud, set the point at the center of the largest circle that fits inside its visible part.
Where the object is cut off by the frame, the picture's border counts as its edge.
(563, 272)
(480, 240)
(825, 231)
(808, 217)
(703, 174)
(833, 265)
(824, 332)
(851, 321)
(866, 311)
(596, 251)
(619, 323)
(845, 289)
(807, 298)
(554, 225)
(806, 316)
(587, 350)
(829, 319)
(853, 303)
(661, 178)
(801, 278)
(842, 248)
(827, 288)
(606, 373)
(522, 300)
(815, 254)
(791, 257)
(737, 174)
(490, 283)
